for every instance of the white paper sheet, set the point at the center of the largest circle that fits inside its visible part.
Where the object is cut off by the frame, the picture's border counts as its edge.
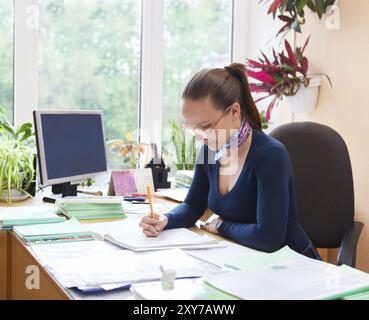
(137, 241)
(99, 264)
(176, 194)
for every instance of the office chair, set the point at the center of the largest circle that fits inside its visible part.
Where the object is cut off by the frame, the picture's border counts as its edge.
(324, 186)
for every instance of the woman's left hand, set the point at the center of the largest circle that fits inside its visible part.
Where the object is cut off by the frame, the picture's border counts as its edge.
(211, 226)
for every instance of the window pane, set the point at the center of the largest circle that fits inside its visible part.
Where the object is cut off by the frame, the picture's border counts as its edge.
(6, 57)
(197, 35)
(90, 59)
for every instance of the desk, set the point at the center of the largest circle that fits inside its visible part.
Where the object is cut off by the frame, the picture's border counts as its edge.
(15, 257)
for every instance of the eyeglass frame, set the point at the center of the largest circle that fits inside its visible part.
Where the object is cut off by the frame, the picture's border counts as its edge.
(197, 131)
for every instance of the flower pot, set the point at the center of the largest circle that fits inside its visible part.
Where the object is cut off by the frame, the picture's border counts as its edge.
(305, 101)
(15, 195)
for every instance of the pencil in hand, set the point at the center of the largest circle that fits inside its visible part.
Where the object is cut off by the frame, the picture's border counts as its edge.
(150, 202)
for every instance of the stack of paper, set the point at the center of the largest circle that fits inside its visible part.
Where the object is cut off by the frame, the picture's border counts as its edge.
(92, 208)
(291, 276)
(18, 216)
(98, 264)
(67, 231)
(183, 178)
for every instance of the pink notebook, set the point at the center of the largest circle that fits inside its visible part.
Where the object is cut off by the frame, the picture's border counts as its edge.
(124, 183)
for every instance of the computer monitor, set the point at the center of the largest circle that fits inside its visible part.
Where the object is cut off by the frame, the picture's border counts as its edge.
(71, 147)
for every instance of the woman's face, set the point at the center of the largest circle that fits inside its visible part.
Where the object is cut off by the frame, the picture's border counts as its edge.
(211, 125)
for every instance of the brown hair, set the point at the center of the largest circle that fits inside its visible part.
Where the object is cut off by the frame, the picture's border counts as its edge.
(225, 86)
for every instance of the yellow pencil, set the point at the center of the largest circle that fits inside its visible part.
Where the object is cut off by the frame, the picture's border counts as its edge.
(150, 202)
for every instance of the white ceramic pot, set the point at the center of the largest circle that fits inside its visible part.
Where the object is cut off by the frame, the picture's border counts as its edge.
(15, 195)
(305, 101)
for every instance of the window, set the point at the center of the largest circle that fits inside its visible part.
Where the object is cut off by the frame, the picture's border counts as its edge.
(129, 58)
(90, 59)
(6, 57)
(197, 35)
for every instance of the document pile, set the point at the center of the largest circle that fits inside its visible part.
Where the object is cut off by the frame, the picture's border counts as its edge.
(91, 208)
(67, 231)
(98, 264)
(20, 216)
(183, 178)
(287, 275)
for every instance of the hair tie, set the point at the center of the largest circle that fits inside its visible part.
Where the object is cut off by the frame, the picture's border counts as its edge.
(233, 72)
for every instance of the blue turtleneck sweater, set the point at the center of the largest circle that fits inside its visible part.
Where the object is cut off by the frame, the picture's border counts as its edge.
(260, 210)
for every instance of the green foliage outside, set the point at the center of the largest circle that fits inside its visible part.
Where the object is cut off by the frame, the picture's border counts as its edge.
(6, 57)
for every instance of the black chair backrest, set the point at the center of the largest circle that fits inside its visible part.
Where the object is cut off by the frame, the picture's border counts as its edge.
(323, 180)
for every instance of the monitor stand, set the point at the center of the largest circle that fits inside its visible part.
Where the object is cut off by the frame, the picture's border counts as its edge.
(65, 189)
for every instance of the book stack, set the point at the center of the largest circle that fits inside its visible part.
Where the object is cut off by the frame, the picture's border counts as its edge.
(27, 215)
(92, 208)
(183, 178)
(67, 231)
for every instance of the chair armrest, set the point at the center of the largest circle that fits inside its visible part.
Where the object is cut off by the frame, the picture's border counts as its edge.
(347, 253)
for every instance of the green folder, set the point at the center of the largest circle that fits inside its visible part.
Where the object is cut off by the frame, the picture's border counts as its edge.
(70, 230)
(28, 215)
(93, 211)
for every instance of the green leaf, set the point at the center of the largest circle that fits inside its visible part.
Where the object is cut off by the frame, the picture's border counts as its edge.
(24, 127)
(8, 128)
(300, 5)
(319, 4)
(26, 135)
(311, 5)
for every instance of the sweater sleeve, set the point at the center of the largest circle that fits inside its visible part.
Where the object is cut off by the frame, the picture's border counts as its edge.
(186, 214)
(272, 179)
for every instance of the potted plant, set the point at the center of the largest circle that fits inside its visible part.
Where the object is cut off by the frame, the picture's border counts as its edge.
(16, 160)
(183, 149)
(292, 12)
(286, 75)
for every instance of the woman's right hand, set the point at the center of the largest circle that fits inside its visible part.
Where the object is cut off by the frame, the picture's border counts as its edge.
(153, 227)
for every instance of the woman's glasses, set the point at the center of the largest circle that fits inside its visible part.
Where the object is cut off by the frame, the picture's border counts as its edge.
(204, 132)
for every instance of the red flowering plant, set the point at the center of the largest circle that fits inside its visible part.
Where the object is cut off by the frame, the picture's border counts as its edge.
(292, 12)
(283, 75)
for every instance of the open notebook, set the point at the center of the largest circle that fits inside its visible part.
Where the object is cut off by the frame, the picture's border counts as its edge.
(128, 234)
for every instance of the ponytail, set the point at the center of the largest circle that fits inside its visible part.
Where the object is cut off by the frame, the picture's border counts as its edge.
(225, 86)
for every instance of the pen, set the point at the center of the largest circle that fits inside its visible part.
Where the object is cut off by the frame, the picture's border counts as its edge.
(150, 202)
(137, 199)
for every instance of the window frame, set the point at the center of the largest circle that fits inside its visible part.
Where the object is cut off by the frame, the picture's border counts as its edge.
(26, 40)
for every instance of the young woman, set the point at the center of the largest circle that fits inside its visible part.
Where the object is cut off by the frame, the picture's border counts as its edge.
(243, 175)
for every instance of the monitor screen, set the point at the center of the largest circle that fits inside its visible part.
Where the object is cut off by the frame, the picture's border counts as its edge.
(71, 145)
